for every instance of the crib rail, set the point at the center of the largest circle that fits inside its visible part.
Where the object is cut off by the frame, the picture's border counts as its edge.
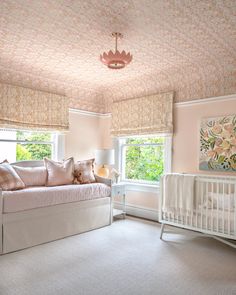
(214, 207)
(1, 221)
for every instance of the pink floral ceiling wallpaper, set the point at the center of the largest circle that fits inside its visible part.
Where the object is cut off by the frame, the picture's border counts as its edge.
(188, 47)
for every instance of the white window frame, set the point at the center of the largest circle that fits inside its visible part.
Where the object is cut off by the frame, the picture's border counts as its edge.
(57, 141)
(120, 158)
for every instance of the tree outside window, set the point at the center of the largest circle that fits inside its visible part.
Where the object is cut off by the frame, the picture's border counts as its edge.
(33, 151)
(143, 159)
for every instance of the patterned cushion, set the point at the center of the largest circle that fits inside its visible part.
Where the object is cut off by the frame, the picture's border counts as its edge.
(9, 179)
(32, 176)
(84, 172)
(59, 173)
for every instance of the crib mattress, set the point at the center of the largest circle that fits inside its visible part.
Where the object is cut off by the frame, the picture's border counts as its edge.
(36, 197)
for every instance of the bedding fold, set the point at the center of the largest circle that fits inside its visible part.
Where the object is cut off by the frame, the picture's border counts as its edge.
(178, 193)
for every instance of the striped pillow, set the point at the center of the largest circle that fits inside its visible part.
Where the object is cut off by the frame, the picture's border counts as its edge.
(9, 179)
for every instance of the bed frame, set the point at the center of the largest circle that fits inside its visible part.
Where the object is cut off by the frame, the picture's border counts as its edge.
(216, 222)
(36, 226)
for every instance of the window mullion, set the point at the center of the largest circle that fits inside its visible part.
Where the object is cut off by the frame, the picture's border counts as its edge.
(144, 144)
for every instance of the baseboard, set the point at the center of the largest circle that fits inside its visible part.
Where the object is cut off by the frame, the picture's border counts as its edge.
(137, 211)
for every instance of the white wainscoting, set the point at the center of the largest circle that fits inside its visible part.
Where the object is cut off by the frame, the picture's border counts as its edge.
(138, 211)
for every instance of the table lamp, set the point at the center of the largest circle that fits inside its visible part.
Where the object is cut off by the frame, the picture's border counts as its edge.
(104, 157)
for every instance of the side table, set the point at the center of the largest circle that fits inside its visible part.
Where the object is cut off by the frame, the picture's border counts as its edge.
(118, 190)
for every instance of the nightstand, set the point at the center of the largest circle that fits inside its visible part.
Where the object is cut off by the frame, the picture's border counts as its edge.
(118, 190)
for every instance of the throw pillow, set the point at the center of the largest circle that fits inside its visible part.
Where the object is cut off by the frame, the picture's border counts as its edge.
(32, 176)
(84, 172)
(9, 179)
(59, 173)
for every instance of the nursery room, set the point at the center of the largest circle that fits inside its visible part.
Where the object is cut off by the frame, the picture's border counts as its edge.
(117, 147)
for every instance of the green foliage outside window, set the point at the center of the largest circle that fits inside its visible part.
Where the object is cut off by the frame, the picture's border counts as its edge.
(22, 153)
(144, 161)
(33, 151)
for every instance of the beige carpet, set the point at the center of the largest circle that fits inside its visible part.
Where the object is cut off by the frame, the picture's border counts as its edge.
(125, 258)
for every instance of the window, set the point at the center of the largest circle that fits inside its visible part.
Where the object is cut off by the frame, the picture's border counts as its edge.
(25, 145)
(144, 159)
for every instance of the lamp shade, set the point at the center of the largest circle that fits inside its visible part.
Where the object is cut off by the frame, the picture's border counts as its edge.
(105, 157)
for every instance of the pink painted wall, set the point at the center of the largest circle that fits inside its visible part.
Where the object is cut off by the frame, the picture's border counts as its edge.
(105, 127)
(187, 120)
(84, 136)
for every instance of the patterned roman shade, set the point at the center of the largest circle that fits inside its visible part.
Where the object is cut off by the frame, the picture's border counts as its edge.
(24, 108)
(146, 115)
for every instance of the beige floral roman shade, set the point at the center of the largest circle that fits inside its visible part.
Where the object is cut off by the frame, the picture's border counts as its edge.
(24, 108)
(145, 115)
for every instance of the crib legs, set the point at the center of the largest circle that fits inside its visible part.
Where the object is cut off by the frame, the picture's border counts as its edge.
(162, 230)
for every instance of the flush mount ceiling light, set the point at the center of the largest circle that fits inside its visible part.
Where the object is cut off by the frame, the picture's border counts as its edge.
(117, 60)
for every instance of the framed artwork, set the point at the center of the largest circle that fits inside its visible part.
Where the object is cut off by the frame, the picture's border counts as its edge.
(218, 144)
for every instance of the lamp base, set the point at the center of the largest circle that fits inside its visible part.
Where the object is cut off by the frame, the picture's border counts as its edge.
(103, 172)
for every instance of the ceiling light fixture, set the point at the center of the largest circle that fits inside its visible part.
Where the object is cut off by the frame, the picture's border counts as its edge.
(117, 60)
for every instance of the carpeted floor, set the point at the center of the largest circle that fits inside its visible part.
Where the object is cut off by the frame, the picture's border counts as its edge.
(125, 258)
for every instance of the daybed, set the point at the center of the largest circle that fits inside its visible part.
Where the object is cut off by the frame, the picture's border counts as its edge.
(36, 215)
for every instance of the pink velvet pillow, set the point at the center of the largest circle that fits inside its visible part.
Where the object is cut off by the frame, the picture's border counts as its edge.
(59, 173)
(84, 172)
(9, 179)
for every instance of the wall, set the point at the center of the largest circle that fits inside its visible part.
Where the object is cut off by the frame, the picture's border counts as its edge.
(105, 126)
(187, 118)
(85, 135)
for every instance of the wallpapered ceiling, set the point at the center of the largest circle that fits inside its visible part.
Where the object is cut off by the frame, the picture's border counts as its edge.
(186, 46)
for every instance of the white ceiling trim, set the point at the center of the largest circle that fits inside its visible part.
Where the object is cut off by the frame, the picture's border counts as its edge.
(176, 105)
(205, 100)
(88, 113)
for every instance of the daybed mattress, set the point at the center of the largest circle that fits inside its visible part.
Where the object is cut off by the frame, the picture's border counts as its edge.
(36, 197)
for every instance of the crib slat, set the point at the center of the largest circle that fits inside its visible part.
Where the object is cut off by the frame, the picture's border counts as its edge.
(185, 222)
(196, 209)
(223, 215)
(202, 202)
(217, 204)
(234, 209)
(212, 206)
(229, 199)
(207, 194)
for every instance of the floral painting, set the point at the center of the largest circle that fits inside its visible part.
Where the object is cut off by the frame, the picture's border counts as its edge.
(218, 144)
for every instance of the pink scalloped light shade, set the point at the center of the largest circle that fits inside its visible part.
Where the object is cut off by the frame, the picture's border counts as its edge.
(117, 60)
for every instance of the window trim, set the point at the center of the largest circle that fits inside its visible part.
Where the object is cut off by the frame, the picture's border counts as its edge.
(119, 155)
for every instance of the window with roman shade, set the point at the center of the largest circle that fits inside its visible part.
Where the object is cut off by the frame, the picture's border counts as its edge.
(145, 115)
(28, 109)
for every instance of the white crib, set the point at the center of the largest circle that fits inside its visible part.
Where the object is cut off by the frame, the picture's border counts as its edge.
(214, 209)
